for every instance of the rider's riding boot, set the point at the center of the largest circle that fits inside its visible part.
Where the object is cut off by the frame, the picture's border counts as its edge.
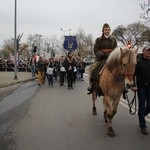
(90, 89)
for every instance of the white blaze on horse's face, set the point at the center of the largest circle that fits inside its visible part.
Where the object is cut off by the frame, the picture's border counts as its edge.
(128, 66)
(128, 76)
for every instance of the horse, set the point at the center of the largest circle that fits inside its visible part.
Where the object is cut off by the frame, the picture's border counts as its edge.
(116, 75)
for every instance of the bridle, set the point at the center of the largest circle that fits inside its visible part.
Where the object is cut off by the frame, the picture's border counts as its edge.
(120, 79)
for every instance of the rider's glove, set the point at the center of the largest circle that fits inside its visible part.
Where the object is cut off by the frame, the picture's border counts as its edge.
(101, 55)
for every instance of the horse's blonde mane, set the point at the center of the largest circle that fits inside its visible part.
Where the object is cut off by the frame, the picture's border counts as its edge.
(114, 59)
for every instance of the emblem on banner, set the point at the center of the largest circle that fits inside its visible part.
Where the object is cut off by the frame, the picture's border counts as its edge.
(70, 43)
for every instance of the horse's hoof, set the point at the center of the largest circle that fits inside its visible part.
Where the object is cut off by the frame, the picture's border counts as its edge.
(111, 133)
(106, 121)
(105, 118)
(94, 113)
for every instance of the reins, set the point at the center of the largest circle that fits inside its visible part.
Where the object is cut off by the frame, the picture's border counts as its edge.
(118, 79)
(131, 103)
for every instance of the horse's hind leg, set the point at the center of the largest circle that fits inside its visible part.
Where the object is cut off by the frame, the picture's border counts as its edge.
(105, 117)
(94, 97)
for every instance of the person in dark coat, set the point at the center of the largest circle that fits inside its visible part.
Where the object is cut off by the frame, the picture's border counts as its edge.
(69, 64)
(50, 74)
(104, 45)
(143, 87)
(81, 67)
(62, 71)
(41, 71)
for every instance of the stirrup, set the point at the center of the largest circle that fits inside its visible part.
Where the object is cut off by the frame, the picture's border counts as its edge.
(90, 92)
(90, 89)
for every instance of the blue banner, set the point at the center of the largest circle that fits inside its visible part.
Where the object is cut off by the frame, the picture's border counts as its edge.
(70, 43)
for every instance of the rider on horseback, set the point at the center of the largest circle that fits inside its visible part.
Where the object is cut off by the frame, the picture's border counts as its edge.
(102, 48)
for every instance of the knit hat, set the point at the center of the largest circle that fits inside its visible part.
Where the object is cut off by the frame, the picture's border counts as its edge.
(146, 48)
(106, 25)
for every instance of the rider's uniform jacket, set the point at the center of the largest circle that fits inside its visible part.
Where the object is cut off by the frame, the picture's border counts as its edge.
(103, 43)
(142, 72)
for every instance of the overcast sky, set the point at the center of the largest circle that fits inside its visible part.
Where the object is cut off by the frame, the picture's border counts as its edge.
(46, 17)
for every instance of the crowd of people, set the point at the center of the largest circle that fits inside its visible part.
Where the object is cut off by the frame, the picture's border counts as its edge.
(67, 68)
(8, 65)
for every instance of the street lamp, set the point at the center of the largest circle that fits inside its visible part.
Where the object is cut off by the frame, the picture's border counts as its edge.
(65, 30)
(15, 40)
(45, 44)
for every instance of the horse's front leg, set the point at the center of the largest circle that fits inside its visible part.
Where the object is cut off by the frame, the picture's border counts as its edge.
(94, 97)
(115, 105)
(108, 114)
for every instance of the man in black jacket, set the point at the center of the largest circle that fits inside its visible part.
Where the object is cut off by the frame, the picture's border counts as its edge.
(143, 87)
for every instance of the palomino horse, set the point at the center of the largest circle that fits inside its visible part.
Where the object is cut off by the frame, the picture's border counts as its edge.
(116, 75)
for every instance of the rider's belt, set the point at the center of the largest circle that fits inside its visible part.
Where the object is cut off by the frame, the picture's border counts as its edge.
(109, 50)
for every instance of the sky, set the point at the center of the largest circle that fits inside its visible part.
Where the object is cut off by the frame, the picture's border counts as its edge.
(47, 17)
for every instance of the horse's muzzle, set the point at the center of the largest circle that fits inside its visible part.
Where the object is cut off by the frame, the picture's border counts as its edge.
(128, 84)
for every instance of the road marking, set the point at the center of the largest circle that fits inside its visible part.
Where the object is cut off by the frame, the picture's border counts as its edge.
(123, 102)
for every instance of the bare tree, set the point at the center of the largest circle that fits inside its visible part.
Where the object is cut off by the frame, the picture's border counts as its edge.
(135, 32)
(85, 43)
(9, 46)
(145, 16)
(146, 35)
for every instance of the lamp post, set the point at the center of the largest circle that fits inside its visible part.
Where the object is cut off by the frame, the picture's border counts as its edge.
(65, 30)
(15, 40)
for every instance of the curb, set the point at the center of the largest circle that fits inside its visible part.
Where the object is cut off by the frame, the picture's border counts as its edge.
(13, 89)
(22, 81)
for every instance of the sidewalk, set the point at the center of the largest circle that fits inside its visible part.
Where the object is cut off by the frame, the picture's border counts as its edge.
(8, 84)
(7, 78)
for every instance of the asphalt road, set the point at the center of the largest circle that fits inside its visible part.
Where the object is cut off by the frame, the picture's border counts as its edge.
(56, 118)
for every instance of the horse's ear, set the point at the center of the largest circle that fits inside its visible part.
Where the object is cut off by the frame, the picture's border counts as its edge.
(135, 50)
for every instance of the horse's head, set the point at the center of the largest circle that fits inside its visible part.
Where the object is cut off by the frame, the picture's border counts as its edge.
(128, 63)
